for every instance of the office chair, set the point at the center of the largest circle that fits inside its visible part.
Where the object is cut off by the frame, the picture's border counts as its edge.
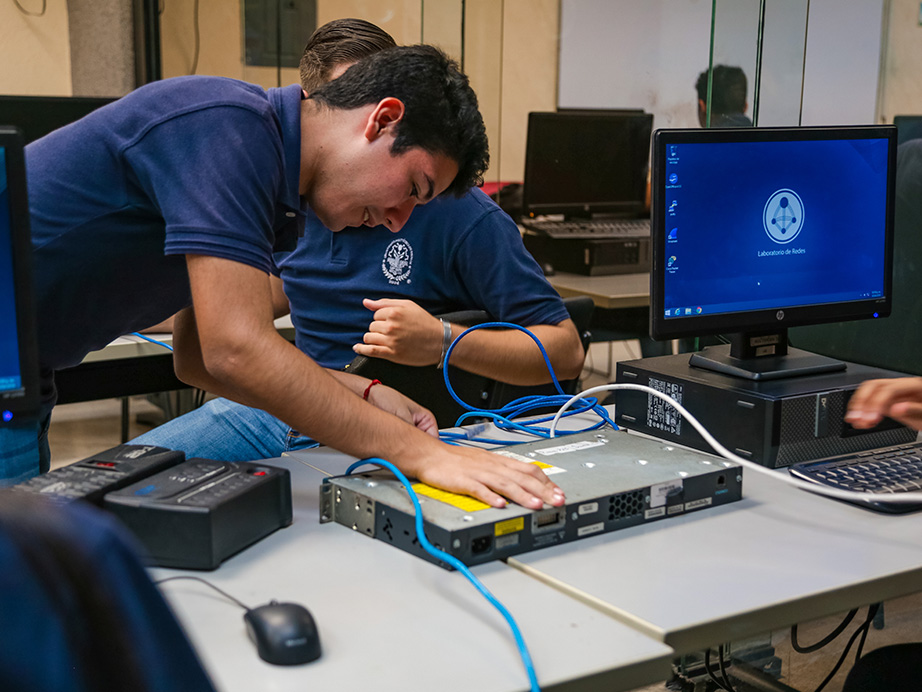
(426, 385)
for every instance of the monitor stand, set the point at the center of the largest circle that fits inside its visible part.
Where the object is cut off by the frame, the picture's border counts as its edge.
(763, 357)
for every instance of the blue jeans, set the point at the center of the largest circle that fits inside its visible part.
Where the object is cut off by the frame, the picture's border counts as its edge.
(24, 450)
(227, 431)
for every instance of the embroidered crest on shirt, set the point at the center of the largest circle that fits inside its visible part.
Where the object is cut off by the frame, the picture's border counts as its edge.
(398, 261)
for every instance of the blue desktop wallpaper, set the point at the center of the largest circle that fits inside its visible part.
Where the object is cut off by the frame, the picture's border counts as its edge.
(755, 225)
(9, 347)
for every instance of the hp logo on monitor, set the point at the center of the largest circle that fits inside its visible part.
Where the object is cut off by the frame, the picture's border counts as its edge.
(783, 216)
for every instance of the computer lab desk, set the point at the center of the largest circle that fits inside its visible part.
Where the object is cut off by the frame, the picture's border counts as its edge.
(129, 366)
(616, 291)
(778, 557)
(391, 621)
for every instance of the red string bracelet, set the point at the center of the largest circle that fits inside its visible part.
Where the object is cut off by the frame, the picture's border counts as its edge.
(368, 388)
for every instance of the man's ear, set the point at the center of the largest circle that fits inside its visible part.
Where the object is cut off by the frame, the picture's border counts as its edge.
(384, 117)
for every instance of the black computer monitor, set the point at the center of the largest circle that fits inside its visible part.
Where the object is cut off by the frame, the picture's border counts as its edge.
(586, 163)
(19, 384)
(36, 116)
(907, 127)
(759, 229)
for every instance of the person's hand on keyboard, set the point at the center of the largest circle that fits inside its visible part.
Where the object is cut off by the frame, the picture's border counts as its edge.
(897, 398)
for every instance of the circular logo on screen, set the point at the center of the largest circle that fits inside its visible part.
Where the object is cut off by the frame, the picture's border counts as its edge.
(783, 216)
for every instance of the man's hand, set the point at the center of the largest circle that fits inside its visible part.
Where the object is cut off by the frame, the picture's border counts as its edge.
(402, 332)
(897, 398)
(392, 401)
(490, 478)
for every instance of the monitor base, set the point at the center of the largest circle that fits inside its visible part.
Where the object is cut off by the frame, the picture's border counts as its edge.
(794, 364)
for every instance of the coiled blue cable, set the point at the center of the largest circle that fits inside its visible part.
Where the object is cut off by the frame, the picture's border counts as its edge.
(457, 564)
(502, 417)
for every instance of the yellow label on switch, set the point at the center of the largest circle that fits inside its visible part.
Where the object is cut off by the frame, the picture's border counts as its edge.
(501, 528)
(462, 502)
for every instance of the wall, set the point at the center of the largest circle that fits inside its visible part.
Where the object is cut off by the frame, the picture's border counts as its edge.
(101, 47)
(34, 51)
(221, 35)
(901, 92)
(842, 62)
(510, 53)
(530, 49)
(621, 54)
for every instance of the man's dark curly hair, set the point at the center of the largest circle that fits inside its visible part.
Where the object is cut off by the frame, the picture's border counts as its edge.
(441, 113)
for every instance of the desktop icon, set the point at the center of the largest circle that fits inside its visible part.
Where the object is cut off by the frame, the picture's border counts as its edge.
(673, 178)
(673, 233)
(671, 261)
(783, 216)
(674, 204)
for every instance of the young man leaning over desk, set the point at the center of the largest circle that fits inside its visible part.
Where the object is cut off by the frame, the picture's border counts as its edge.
(196, 182)
(454, 253)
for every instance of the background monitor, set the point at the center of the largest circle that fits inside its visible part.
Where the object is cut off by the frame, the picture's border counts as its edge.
(19, 384)
(907, 127)
(580, 163)
(759, 229)
(36, 116)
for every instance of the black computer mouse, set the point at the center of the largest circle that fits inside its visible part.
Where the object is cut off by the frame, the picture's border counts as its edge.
(284, 633)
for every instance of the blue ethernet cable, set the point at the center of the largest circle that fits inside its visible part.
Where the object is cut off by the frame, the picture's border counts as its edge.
(503, 416)
(456, 563)
(153, 341)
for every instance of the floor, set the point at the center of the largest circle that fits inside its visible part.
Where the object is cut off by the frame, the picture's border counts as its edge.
(79, 430)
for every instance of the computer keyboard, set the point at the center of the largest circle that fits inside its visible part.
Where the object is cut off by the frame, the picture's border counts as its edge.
(620, 228)
(886, 471)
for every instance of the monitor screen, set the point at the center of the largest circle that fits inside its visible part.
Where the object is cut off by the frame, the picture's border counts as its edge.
(761, 229)
(580, 163)
(19, 396)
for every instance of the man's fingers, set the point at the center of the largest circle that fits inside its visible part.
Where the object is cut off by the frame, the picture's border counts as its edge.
(372, 350)
(522, 483)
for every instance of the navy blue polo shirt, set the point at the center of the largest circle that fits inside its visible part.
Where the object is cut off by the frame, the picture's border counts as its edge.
(192, 165)
(452, 254)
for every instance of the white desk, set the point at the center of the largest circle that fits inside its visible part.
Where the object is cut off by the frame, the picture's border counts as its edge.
(129, 366)
(391, 621)
(778, 557)
(131, 346)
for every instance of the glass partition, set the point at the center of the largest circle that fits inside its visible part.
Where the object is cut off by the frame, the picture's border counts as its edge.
(759, 44)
